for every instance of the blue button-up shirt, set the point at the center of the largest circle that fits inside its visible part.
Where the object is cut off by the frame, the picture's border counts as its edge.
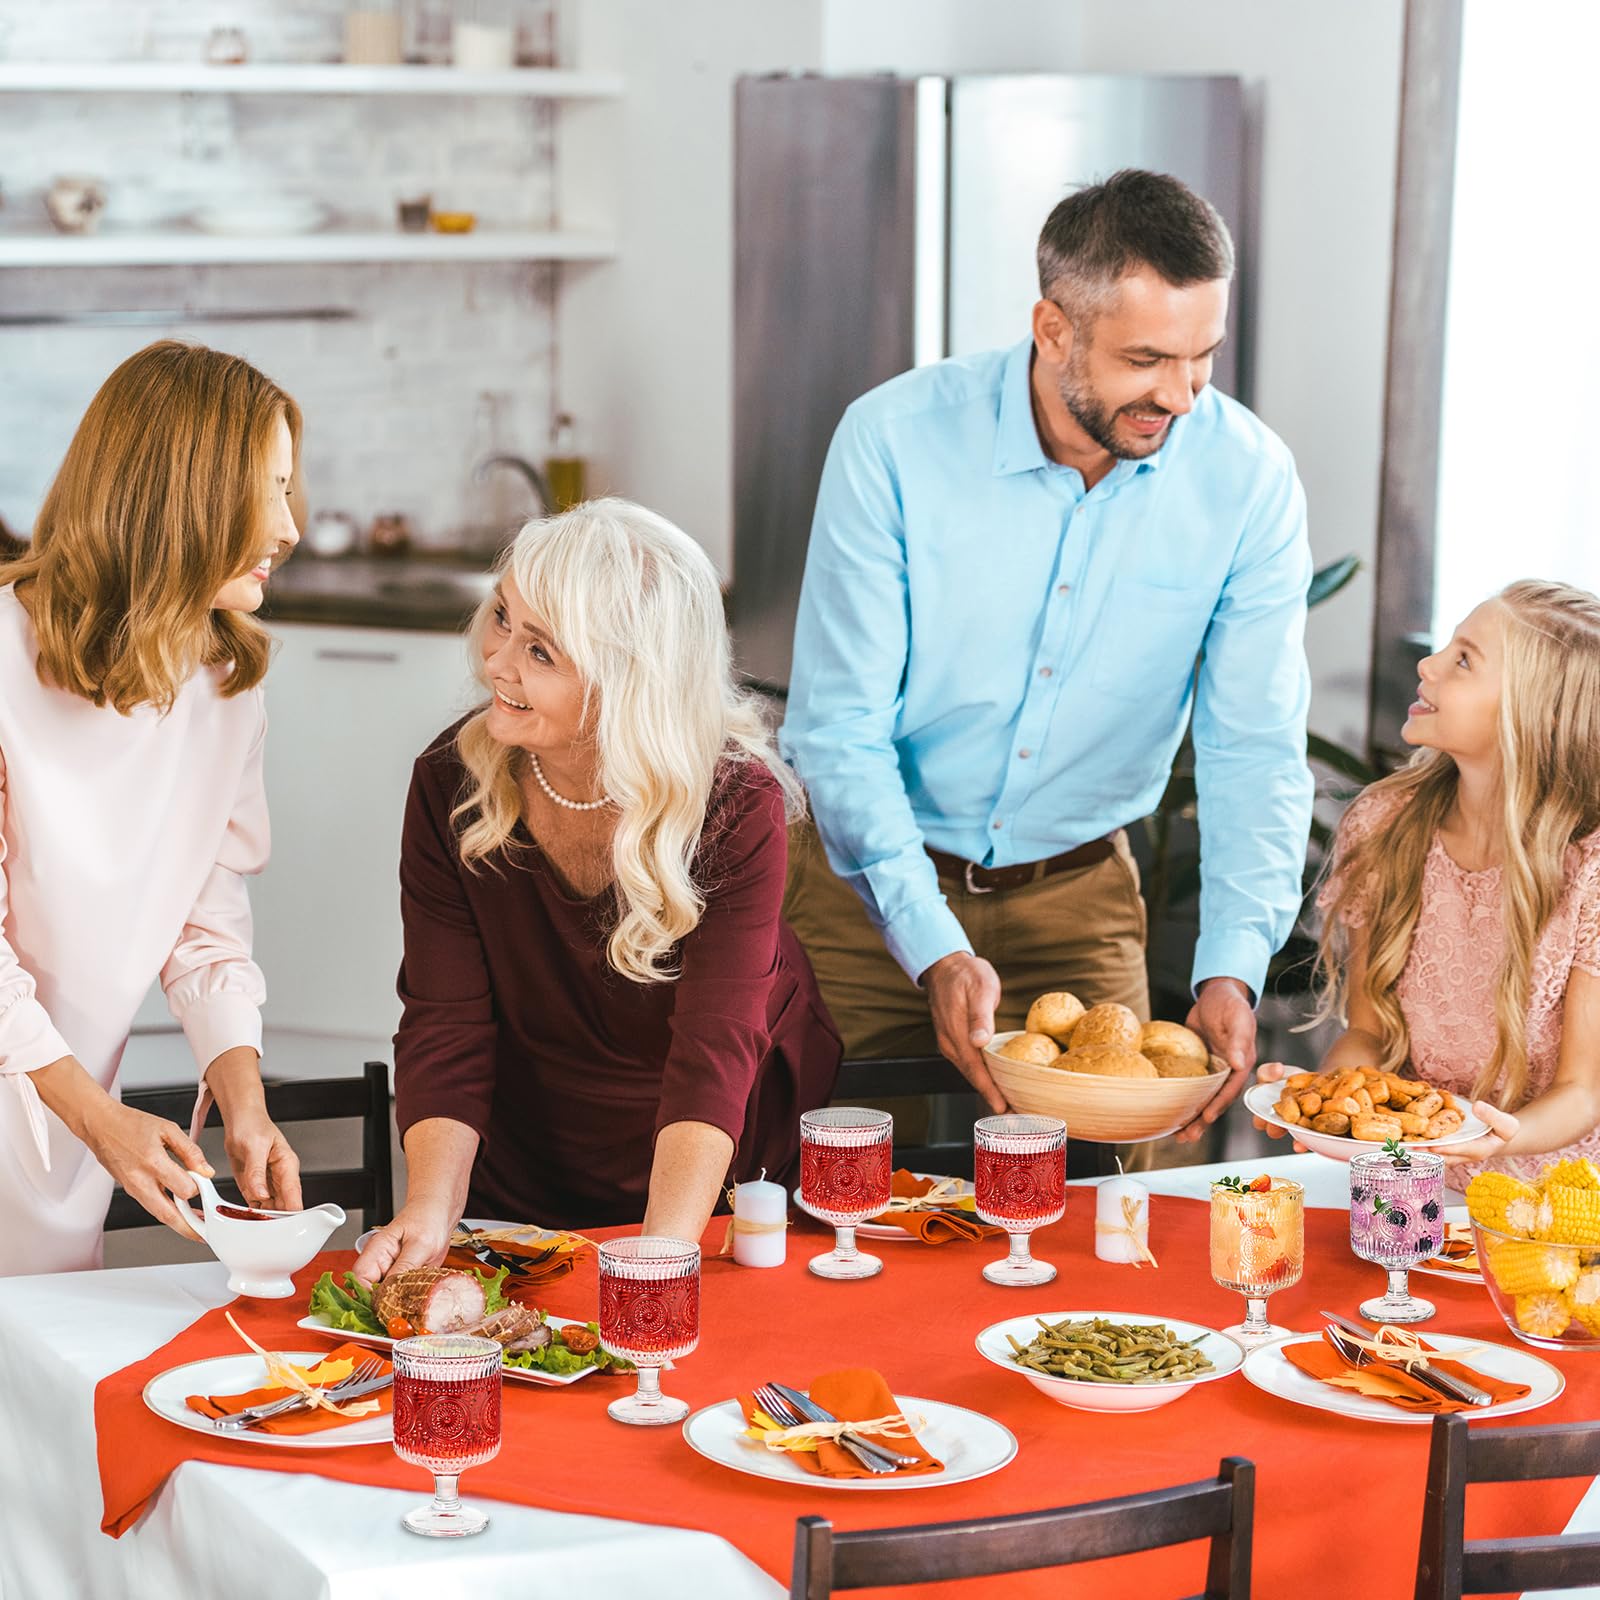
(995, 661)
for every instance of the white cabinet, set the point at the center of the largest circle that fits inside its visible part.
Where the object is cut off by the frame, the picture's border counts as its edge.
(349, 711)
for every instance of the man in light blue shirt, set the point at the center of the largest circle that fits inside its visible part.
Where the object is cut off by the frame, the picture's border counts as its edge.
(1016, 562)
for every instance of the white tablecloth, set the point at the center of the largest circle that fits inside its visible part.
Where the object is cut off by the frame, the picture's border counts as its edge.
(261, 1535)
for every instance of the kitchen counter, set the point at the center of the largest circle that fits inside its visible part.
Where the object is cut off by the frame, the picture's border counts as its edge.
(432, 591)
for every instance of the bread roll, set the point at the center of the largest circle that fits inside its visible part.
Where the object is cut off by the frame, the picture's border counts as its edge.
(1108, 1024)
(1039, 1048)
(1107, 1061)
(1170, 1066)
(1173, 1039)
(1056, 1014)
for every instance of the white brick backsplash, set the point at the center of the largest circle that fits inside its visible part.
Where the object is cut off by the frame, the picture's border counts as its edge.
(390, 396)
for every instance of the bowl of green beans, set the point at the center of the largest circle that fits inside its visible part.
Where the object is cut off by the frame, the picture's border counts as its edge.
(1110, 1360)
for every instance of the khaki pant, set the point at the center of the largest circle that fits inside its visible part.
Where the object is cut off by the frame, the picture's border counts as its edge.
(1082, 930)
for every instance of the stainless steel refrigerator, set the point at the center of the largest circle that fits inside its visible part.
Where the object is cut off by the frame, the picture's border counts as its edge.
(881, 223)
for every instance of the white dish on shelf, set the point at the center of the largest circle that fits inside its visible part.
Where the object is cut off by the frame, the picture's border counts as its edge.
(1271, 1371)
(166, 1395)
(265, 215)
(969, 1444)
(1261, 1100)
(1225, 1355)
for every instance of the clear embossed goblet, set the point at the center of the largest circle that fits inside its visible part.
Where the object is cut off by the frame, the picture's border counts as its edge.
(1020, 1177)
(649, 1315)
(846, 1175)
(446, 1418)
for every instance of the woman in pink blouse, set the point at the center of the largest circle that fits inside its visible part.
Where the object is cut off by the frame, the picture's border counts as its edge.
(131, 799)
(1462, 931)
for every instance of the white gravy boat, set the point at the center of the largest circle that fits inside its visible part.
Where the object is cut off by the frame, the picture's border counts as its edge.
(260, 1248)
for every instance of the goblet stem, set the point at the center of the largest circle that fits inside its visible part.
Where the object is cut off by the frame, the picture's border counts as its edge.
(1255, 1316)
(648, 1392)
(1020, 1256)
(1399, 1284)
(844, 1242)
(446, 1499)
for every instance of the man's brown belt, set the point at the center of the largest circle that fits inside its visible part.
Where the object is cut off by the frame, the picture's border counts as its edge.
(984, 880)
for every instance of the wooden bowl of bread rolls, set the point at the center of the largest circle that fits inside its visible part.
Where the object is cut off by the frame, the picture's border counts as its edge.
(1111, 1078)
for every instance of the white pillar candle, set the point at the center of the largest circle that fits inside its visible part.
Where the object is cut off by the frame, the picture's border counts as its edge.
(481, 47)
(1122, 1221)
(760, 1224)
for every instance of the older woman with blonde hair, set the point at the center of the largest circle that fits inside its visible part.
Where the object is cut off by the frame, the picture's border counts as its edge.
(131, 798)
(606, 1018)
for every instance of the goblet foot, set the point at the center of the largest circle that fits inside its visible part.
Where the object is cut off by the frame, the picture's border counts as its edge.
(1397, 1308)
(1015, 1274)
(857, 1264)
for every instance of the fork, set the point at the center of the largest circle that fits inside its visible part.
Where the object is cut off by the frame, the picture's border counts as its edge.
(364, 1379)
(871, 1456)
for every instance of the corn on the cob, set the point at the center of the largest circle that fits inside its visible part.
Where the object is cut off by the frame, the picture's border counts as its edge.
(1543, 1315)
(1574, 1212)
(1573, 1174)
(1523, 1267)
(1583, 1300)
(1497, 1200)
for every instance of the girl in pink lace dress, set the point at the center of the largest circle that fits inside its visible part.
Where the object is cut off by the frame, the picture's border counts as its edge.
(1462, 916)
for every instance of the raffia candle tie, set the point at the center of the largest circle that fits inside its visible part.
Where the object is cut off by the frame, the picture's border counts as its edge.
(1129, 1227)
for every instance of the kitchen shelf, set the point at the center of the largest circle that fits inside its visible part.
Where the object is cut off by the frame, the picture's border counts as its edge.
(169, 77)
(111, 248)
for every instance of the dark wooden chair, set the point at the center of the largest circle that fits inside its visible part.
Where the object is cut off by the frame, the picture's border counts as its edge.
(866, 1082)
(1221, 1509)
(1449, 1564)
(368, 1188)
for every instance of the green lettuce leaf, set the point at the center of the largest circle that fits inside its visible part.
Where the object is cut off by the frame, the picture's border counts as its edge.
(493, 1289)
(557, 1359)
(349, 1308)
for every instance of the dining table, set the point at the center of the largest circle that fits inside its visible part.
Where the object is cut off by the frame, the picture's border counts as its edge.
(238, 1526)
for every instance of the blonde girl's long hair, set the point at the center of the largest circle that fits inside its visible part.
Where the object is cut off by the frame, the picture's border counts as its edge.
(162, 498)
(635, 605)
(1549, 741)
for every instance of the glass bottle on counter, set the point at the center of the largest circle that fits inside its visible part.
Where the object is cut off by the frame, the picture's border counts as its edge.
(564, 468)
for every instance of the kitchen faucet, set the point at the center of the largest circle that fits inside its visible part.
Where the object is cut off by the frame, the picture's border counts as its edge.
(526, 468)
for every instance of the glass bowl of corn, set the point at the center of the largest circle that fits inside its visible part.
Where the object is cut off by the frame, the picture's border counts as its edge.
(1539, 1247)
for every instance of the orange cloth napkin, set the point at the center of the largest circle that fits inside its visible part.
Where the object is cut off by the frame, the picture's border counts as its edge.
(931, 1227)
(853, 1394)
(1385, 1380)
(306, 1420)
(538, 1261)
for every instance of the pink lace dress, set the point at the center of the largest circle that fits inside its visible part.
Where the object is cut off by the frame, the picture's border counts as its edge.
(1447, 986)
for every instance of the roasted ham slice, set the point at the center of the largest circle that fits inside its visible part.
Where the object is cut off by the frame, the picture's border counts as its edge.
(513, 1328)
(431, 1299)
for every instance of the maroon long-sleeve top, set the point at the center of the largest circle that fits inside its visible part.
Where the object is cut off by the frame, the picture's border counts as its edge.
(515, 1024)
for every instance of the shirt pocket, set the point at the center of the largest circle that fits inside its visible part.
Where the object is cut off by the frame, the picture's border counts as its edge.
(1148, 638)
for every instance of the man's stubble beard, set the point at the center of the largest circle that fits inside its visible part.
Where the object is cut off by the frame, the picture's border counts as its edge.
(1091, 414)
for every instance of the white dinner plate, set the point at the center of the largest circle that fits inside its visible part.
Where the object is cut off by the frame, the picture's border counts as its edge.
(1268, 1368)
(1261, 1100)
(166, 1393)
(1225, 1355)
(887, 1230)
(378, 1341)
(970, 1444)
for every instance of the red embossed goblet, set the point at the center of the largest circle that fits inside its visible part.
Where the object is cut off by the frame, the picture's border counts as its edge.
(1020, 1175)
(649, 1314)
(446, 1418)
(846, 1173)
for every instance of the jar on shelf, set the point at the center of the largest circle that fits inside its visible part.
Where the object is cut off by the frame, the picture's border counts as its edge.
(372, 33)
(484, 39)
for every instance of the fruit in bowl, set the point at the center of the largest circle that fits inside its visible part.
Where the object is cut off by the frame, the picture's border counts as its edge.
(1539, 1247)
(1111, 1078)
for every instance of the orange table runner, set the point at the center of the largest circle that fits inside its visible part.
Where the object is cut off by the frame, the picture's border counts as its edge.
(916, 1323)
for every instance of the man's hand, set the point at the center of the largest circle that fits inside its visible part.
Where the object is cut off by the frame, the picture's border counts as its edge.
(418, 1237)
(963, 991)
(1224, 1017)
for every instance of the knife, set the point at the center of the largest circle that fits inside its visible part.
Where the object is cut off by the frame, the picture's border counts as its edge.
(812, 1412)
(1445, 1382)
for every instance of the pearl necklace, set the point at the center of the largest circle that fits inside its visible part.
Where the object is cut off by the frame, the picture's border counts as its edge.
(561, 799)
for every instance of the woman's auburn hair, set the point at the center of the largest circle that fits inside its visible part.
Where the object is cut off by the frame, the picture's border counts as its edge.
(161, 499)
(635, 605)
(1549, 744)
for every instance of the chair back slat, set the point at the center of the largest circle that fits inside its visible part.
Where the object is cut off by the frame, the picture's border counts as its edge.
(1220, 1508)
(368, 1188)
(1449, 1565)
(1498, 1566)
